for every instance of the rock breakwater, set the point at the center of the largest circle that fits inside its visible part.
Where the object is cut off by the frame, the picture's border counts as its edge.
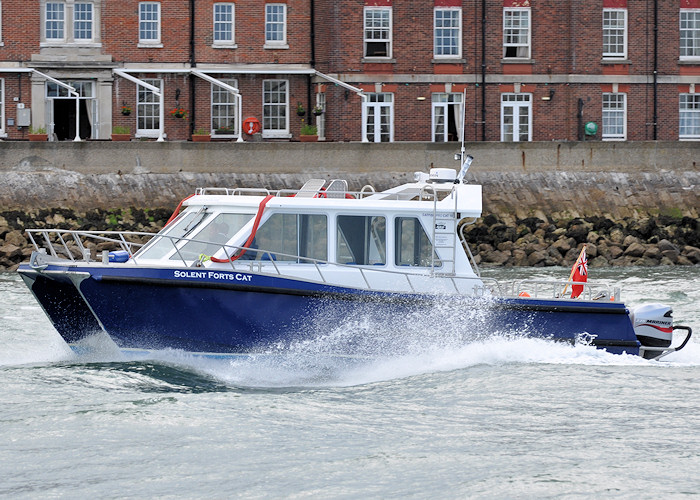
(494, 240)
(648, 241)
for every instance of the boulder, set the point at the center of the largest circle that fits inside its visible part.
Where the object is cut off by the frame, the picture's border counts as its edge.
(692, 254)
(10, 251)
(666, 245)
(635, 249)
(15, 238)
(537, 258)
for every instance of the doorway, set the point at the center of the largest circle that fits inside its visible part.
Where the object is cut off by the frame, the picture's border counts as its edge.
(64, 119)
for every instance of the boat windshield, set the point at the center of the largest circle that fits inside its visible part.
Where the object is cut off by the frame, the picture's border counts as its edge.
(212, 235)
(184, 227)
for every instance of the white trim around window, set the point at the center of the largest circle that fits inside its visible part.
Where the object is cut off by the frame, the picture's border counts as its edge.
(3, 132)
(1, 42)
(689, 117)
(276, 109)
(148, 109)
(224, 28)
(689, 33)
(276, 26)
(149, 25)
(614, 116)
(447, 33)
(615, 33)
(516, 33)
(377, 31)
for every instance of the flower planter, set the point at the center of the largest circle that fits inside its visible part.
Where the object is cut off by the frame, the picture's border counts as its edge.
(38, 137)
(308, 138)
(121, 137)
(201, 138)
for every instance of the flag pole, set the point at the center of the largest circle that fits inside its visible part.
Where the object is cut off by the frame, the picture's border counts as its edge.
(571, 276)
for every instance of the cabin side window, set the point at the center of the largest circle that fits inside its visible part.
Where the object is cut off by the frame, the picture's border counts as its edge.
(412, 246)
(361, 240)
(291, 237)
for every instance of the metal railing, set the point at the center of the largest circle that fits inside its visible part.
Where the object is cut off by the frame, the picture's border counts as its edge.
(265, 261)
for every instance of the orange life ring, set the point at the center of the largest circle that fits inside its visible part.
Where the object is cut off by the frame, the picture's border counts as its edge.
(251, 125)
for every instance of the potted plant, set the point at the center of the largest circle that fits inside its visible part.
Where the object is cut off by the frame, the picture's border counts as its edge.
(300, 109)
(38, 134)
(179, 112)
(317, 111)
(120, 133)
(308, 133)
(201, 135)
(126, 110)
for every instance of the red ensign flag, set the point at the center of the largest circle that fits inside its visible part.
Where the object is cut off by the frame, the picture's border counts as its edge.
(579, 272)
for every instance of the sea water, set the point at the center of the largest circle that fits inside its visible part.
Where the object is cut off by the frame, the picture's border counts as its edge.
(501, 417)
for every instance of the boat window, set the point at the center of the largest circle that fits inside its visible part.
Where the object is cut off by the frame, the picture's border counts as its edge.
(413, 246)
(361, 240)
(290, 237)
(211, 236)
(161, 245)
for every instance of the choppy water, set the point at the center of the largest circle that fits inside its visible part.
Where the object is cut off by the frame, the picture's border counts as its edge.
(501, 418)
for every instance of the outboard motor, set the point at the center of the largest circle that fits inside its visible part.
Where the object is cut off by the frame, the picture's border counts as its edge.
(653, 325)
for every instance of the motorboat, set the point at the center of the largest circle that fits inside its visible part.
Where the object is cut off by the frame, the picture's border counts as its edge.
(248, 270)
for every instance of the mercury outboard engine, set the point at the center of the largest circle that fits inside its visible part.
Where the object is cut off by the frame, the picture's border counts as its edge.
(653, 325)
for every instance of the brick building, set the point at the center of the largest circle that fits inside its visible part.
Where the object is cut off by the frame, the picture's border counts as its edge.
(372, 70)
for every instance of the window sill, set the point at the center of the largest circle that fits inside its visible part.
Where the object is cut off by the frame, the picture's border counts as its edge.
(148, 134)
(518, 60)
(694, 61)
(147, 45)
(224, 46)
(273, 46)
(276, 135)
(448, 60)
(64, 44)
(378, 60)
(612, 60)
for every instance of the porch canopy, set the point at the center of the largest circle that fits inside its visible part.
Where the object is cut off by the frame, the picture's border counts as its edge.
(206, 72)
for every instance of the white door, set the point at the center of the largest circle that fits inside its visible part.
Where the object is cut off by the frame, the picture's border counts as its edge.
(379, 117)
(516, 117)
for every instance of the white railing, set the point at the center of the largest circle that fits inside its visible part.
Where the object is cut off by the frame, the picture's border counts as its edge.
(73, 245)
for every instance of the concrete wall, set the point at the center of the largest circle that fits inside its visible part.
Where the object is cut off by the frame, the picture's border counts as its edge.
(562, 179)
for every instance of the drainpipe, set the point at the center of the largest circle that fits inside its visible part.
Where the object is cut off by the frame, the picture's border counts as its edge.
(312, 54)
(193, 64)
(656, 66)
(483, 70)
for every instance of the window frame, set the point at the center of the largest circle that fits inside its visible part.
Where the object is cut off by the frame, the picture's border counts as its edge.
(389, 30)
(231, 24)
(276, 44)
(694, 40)
(3, 131)
(609, 114)
(689, 114)
(62, 22)
(91, 22)
(217, 90)
(458, 28)
(612, 32)
(442, 101)
(155, 104)
(275, 132)
(528, 43)
(150, 42)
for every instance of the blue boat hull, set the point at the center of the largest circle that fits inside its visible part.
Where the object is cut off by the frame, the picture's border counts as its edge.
(229, 312)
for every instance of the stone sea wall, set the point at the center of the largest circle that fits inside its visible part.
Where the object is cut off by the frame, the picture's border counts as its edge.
(633, 203)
